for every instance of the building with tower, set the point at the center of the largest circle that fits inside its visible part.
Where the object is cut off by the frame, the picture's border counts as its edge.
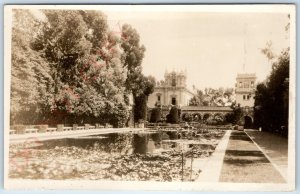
(244, 96)
(171, 91)
(245, 89)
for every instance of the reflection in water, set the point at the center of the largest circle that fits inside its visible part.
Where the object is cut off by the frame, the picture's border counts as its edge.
(145, 155)
(141, 143)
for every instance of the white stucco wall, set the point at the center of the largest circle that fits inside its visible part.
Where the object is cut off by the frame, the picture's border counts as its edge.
(240, 100)
(182, 96)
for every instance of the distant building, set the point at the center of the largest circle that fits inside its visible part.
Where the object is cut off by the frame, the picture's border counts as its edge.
(245, 89)
(171, 91)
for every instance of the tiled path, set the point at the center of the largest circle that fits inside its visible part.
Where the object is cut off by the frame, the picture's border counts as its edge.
(244, 162)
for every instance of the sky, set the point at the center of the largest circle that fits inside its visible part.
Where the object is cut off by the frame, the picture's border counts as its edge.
(211, 47)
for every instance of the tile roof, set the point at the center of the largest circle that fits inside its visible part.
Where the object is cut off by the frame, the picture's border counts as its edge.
(207, 108)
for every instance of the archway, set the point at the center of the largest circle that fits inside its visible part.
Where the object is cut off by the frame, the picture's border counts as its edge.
(218, 117)
(248, 122)
(206, 116)
(196, 117)
(186, 117)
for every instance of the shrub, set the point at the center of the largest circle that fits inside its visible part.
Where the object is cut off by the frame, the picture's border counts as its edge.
(173, 116)
(155, 115)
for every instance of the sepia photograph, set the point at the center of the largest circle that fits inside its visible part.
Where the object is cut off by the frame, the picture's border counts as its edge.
(165, 97)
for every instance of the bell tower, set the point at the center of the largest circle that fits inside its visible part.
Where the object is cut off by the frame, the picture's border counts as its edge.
(175, 79)
(245, 89)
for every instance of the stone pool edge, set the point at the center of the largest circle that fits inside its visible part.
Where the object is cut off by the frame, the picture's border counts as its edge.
(213, 167)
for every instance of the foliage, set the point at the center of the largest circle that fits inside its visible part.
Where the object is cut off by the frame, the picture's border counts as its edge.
(155, 115)
(235, 116)
(73, 69)
(31, 86)
(213, 97)
(140, 107)
(173, 116)
(146, 87)
(219, 119)
(194, 101)
(65, 41)
(136, 83)
(268, 51)
(187, 117)
(229, 118)
(132, 58)
(271, 98)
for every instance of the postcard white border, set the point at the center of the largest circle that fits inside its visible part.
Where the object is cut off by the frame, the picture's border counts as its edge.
(140, 185)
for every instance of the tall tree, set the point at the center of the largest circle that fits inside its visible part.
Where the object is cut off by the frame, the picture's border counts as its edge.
(85, 61)
(272, 96)
(271, 100)
(262, 106)
(136, 83)
(64, 46)
(76, 69)
(31, 87)
(132, 58)
(147, 85)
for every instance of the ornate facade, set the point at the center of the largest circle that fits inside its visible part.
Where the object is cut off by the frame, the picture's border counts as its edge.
(171, 91)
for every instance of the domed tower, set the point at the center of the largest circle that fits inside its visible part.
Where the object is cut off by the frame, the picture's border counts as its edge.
(175, 79)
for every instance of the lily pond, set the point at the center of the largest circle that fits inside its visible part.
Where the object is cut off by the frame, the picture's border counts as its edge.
(147, 155)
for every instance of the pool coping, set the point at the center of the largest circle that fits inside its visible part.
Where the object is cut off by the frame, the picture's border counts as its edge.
(213, 167)
(36, 137)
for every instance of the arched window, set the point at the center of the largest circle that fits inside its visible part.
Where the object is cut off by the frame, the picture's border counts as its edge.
(158, 97)
(173, 101)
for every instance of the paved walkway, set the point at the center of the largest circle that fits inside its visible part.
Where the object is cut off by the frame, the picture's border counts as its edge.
(274, 146)
(211, 169)
(244, 162)
(21, 138)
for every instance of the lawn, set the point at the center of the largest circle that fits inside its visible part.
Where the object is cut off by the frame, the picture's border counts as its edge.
(245, 163)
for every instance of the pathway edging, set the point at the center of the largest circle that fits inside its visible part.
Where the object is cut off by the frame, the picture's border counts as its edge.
(271, 161)
(213, 167)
